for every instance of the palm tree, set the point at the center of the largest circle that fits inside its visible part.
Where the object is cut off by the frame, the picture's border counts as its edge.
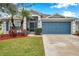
(26, 14)
(9, 8)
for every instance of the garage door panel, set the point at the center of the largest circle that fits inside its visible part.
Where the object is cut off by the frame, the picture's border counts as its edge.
(56, 28)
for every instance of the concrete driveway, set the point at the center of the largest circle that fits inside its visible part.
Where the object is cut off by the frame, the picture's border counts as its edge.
(61, 45)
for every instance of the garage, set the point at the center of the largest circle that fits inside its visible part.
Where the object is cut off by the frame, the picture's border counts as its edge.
(56, 27)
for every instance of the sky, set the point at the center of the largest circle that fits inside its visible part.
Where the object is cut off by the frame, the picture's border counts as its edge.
(66, 9)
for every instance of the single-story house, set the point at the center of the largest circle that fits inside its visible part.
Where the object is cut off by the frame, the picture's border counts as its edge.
(50, 24)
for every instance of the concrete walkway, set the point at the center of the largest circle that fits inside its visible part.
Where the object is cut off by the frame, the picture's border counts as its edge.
(35, 35)
(61, 45)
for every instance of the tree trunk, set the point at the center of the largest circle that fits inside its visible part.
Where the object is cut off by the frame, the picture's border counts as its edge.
(12, 20)
(22, 22)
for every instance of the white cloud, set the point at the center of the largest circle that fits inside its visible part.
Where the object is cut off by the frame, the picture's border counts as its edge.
(64, 5)
(69, 14)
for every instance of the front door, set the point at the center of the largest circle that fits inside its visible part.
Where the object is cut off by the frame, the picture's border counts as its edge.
(32, 26)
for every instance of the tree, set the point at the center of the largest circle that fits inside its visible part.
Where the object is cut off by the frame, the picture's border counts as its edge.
(9, 8)
(24, 12)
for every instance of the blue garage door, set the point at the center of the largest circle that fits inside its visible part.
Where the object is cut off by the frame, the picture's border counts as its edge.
(56, 27)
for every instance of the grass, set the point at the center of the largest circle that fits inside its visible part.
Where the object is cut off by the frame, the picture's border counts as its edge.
(27, 46)
(1, 32)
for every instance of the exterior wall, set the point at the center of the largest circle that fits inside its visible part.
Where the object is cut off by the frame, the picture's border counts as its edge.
(73, 22)
(4, 27)
(73, 27)
(39, 22)
(57, 19)
(77, 25)
(10, 24)
(24, 23)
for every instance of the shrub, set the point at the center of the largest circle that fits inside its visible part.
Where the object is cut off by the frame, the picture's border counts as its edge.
(23, 32)
(13, 32)
(38, 31)
(77, 32)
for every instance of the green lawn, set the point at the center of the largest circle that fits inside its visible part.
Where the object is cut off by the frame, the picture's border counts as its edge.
(28, 46)
(1, 32)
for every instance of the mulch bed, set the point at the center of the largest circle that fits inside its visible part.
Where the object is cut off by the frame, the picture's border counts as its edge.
(7, 36)
(76, 34)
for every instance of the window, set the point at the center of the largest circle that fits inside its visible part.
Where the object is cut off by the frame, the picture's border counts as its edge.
(0, 25)
(7, 26)
(17, 24)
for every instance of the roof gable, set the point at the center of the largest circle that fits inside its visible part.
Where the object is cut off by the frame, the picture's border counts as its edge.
(39, 13)
(56, 16)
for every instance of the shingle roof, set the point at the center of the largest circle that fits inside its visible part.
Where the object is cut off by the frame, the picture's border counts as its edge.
(56, 16)
(39, 13)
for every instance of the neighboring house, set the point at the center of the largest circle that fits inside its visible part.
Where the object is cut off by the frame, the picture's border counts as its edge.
(50, 24)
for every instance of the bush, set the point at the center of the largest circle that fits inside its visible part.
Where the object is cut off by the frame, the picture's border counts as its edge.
(38, 31)
(23, 32)
(13, 32)
(77, 32)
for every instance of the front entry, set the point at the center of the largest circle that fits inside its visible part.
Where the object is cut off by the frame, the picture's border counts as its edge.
(33, 26)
